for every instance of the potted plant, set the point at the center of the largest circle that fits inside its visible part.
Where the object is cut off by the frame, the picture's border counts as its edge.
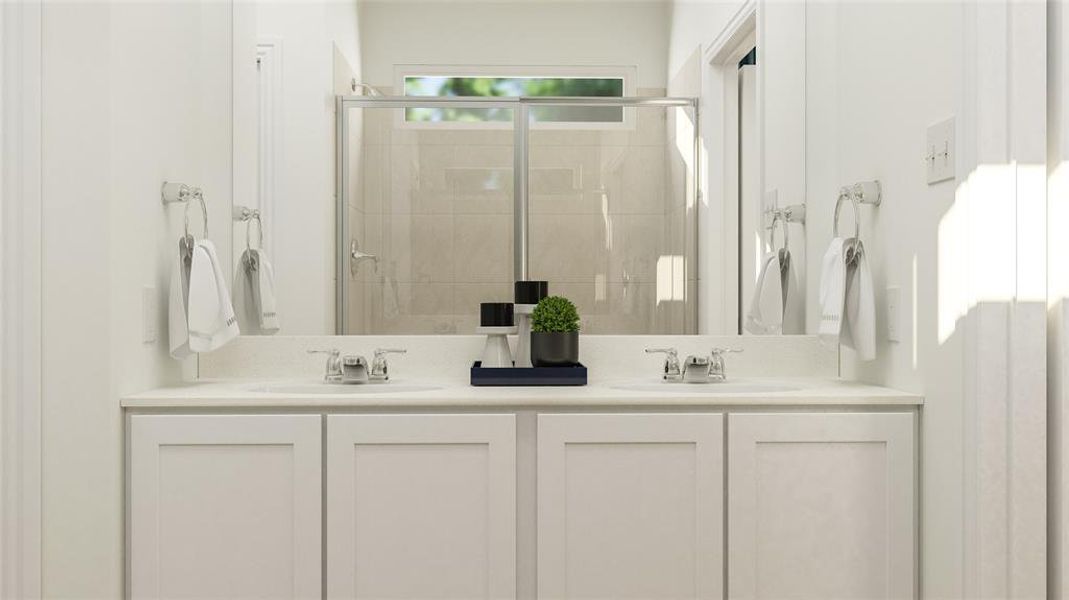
(555, 333)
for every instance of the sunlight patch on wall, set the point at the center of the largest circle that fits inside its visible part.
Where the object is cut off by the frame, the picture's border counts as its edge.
(1058, 242)
(1031, 233)
(982, 258)
(685, 147)
(670, 279)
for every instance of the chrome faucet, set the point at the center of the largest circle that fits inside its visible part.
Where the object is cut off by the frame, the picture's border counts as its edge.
(672, 371)
(694, 369)
(343, 369)
(380, 371)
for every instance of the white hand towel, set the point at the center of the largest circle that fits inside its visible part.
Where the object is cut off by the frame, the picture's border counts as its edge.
(859, 320)
(766, 307)
(177, 325)
(793, 313)
(254, 294)
(832, 293)
(267, 307)
(210, 315)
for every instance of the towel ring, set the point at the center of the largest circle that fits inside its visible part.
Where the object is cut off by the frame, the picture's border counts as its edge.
(866, 192)
(197, 194)
(845, 194)
(254, 216)
(780, 218)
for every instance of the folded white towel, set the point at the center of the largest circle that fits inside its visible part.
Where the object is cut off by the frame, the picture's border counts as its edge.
(766, 306)
(210, 315)
(832, 293)
(859, 320)
(177, 324)
(793, 309)
(254, 294)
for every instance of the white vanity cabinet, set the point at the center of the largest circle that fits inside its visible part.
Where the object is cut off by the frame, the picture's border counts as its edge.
(224, 506)
(697, 503)
(421, 506)
(630, 506)
(821, 506)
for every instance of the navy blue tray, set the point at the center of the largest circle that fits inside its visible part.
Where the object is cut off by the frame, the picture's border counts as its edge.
(530, 376)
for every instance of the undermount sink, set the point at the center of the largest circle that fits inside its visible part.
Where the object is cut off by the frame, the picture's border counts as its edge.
(335, 389)
(727, 387)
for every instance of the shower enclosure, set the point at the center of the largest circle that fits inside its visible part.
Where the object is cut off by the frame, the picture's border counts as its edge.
(443, 202)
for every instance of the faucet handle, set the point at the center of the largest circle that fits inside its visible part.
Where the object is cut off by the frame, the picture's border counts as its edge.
(334, 367)
(379, 368)
(722, 351)
(671, 362)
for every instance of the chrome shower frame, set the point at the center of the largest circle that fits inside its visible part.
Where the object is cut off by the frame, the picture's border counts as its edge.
(520, 107)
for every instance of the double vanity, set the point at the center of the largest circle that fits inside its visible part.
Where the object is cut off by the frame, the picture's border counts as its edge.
(261, 481)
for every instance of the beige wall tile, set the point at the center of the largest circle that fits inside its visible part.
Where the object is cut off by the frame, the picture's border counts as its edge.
(638, 243)
(567, 247)
(483, 246)
(418, 248)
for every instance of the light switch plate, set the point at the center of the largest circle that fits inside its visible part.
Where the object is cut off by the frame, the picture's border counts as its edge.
(150, 309)
(939, 152)
(894, 316)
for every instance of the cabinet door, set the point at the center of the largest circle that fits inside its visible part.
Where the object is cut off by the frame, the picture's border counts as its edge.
(421, 506)
(630, 506)
(821, 506)
(225, 506)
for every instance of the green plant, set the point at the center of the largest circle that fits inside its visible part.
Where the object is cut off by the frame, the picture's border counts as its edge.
(555, 314)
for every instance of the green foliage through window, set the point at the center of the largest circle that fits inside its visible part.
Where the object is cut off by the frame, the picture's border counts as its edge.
(491, 87)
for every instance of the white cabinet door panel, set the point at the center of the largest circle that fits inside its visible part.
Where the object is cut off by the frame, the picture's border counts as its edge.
(225, 506)
(821, 506)
(630, 506)
(421, 506)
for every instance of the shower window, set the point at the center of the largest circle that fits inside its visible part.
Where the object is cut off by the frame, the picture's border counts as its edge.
(467, 83)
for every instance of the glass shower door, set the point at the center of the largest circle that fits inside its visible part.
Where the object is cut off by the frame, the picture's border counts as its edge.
(612, 219)
(433, 202)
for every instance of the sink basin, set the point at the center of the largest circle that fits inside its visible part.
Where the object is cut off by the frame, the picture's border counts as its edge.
(333, 389)
(727, 387)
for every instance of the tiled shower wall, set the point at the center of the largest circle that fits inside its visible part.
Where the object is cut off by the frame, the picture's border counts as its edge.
(610, 224)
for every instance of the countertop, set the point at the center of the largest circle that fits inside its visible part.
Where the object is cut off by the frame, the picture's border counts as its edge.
(251, 394)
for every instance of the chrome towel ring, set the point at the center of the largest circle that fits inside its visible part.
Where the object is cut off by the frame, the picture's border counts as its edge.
(794, 213)
(196, 193)
(259, 231)
(180, 192)
(866, 192)
(780, 219)
(248, 215)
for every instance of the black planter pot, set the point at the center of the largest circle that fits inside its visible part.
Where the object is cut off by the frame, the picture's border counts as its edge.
(554, 349)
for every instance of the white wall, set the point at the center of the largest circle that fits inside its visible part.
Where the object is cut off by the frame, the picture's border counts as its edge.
(302, 220)
(133, 95)
(1058, 296)
(515, 33)
(870, 98)
(694, 23)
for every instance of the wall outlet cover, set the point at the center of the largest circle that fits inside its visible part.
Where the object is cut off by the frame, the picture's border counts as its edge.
(893, 313)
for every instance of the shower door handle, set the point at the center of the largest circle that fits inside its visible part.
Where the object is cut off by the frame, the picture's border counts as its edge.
(356, 256)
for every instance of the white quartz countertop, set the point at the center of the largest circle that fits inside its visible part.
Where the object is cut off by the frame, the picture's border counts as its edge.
(650, 392)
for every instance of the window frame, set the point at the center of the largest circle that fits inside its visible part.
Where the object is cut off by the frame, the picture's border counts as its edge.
(626, 73)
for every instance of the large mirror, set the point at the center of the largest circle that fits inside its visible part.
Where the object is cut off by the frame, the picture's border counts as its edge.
(398, 162)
